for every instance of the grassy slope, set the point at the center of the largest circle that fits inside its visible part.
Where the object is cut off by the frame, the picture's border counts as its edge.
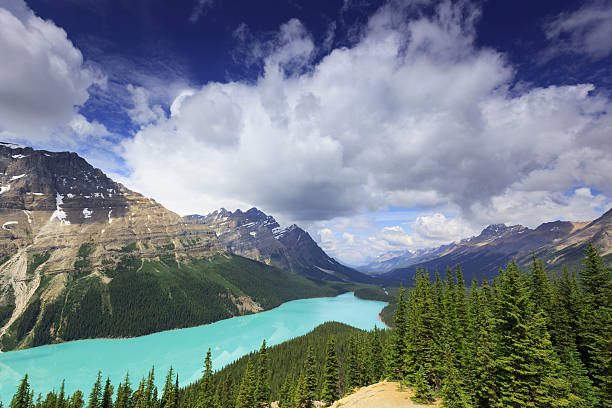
(148, 296)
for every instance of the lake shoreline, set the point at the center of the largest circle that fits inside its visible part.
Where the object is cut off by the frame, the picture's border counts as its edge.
(190, 327)
(229, 339)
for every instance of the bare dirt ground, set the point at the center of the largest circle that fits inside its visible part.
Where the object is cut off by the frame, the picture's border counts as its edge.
(381, 395)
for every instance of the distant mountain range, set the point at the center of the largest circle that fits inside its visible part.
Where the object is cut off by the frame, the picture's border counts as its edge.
(82, 256)
(258, 236)
(558, 243)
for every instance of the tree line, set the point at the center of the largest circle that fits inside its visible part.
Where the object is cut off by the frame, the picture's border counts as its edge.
(526, 339)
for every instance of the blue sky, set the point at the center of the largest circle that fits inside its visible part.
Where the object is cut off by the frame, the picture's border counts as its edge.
(377, 125)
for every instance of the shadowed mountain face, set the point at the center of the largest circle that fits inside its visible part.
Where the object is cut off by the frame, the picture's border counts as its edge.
(255, 235)
(82, 256)
(558, 243)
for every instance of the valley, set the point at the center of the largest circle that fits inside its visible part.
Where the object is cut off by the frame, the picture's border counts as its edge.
(557, 243)
(85, 257)
(79, 361)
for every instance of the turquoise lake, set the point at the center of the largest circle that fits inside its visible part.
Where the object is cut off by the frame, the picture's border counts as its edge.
(79, 361)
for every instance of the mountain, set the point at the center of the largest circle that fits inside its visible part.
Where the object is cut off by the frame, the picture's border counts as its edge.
(400, 259)
(569, 251)
(258, 236)
(82, 256)
(558, 243)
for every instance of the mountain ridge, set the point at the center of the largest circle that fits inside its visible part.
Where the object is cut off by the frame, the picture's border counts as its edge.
(556, 242)
(259, 236)
(82, 256)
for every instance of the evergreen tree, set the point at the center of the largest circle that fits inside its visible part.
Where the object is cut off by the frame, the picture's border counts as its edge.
(377, 361)
(150, 390)
(482, 373)
(423, 394)
(22, 398)
(566, 304)
(77, 400)
(595, 278)
(285, 398)
(438, 343)
(300, 396)
(528, 371)
(95, 397)
(124, 393)
(207, 389)
(61, 400)
(107, 395)
(453, 392)
(352, 367)
(262, 389)
(246, 397)
(310, 376)
(168, 393)
(140, 397)
(398, 345)
(175, 396)
(330, 374)
(540, 290)
(596, 325)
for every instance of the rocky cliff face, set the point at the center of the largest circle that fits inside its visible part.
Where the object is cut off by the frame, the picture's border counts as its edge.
(60, 216)
(256, 235)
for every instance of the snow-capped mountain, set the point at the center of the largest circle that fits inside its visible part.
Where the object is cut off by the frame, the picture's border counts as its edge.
(256, 235)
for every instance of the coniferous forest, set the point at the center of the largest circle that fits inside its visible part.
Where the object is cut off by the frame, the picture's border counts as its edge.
(526, 339)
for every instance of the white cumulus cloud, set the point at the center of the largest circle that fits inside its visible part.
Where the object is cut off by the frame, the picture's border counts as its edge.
(42, 76)
(412, 114)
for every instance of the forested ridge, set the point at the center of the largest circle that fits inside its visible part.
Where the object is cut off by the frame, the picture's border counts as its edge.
(139, 296)
(526, 339)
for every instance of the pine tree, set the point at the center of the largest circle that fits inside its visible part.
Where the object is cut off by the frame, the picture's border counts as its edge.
(207, 390)
(95, 397)
(378, 362)
(61, 400)
(167, 400)
(262, 389)
(175, 394)
(246, 397)
(566, 304)
(22, 399)
(595, 278)
(423, 394)
(352, 366)
(540, 285)
(77, 400)
(330, 374)
(140, 398)
(363, 360)
(124, 393)
(107, 395)
(300, 396)
(285, 397)
(482, 373)
(398, 345)
(596, 325)
(438, 343)
(527, 369)
(310, 376)
(453, 392)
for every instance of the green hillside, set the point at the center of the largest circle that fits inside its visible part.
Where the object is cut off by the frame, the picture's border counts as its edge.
(137, 297)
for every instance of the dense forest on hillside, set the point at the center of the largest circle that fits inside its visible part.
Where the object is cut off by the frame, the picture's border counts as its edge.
(526, 339)
(137, 297)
